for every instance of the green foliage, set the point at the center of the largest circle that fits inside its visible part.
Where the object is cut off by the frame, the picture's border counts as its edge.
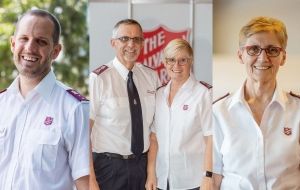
(72, 65)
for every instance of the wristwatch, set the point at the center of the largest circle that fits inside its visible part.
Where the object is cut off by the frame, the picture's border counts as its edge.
(208, 174)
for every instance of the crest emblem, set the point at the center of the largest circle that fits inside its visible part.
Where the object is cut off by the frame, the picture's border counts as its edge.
(185, 107)
(287, 131)
(48, 120)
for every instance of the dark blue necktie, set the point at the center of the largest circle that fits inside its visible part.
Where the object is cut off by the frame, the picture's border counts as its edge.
(137, 138)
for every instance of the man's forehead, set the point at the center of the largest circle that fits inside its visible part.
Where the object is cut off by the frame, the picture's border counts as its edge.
(32, 18)
(37, 23)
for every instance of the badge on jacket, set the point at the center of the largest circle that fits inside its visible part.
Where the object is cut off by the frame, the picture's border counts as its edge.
(287, 130)
(48, 120)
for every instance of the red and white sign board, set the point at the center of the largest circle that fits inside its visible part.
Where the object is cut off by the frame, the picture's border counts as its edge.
(155, 42)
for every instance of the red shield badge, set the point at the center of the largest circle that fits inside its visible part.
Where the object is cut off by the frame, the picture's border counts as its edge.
(155, 41)
(48, 120)
(287, 130)
(185, 107)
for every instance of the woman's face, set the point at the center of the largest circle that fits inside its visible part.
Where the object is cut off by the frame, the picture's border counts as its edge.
(179, 65)
(262, 65)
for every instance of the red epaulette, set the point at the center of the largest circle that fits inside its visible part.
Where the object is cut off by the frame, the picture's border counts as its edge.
(295, 95)
(76, 95)
(100, 69)
(165, 84)
(1, 91)
(221, 98)
(206, 84)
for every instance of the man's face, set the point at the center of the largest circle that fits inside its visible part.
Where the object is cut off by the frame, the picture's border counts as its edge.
(32, 46)
(128, 52)
(262, 68)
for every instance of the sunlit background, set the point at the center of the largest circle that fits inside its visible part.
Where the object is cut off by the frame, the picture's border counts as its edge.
(71, 66)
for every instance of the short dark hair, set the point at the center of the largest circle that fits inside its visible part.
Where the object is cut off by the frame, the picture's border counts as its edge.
(127, 22)
(43, 13)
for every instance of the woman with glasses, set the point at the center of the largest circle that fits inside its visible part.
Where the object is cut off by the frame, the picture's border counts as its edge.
(256, 129)
(178, 156)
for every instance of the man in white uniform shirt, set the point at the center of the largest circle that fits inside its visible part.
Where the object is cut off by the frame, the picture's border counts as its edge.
(257, 128)
(180, 151)
(44, 124)
(115, 165)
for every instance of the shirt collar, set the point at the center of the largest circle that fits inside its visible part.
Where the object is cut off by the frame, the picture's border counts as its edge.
(122, 70)
(14, 86)
(44, 88)
(238, 97)
(278, 97)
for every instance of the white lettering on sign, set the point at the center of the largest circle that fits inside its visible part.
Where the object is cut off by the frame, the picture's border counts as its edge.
(163, 76)
(154, 42)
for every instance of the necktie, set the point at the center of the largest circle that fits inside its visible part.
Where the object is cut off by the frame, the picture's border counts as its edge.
(137, 138)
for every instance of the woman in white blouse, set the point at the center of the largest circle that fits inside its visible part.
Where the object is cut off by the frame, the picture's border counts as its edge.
(178, 156)
(257, 128)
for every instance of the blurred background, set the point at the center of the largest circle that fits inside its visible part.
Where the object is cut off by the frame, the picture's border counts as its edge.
(228, 18)
(72, 65)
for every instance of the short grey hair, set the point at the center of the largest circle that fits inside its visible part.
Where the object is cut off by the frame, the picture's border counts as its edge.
(127, 22)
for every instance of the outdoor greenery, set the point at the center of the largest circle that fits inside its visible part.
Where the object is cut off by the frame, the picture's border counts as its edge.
(71, 67)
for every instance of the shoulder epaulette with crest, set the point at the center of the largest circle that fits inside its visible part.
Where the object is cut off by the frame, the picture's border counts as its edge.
(295, 95)
(76, 95)
(206, 84)
(1, 91)
(100, 69)
(165, 84)
(221, 98)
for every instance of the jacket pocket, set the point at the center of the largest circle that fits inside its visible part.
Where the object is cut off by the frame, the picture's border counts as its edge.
(42, 149)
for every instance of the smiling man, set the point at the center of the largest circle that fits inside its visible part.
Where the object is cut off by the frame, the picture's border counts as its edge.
(122, 108)
(44, 124)
(256, 129)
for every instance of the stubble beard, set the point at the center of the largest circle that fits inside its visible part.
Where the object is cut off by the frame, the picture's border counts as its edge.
(38, 71)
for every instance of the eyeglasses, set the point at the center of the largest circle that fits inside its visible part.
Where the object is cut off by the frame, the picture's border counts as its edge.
(125, 39)
(255, 50)
(181, 61)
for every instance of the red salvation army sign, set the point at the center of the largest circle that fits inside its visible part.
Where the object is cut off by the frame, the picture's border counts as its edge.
(154, 43)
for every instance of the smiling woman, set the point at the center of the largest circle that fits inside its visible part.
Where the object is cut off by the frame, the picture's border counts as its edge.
(259, 116)
(262, 68)
(181, 138)
(178, 59)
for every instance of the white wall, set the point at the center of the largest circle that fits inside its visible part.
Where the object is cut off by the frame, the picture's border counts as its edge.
(228, 18)
(103, 15)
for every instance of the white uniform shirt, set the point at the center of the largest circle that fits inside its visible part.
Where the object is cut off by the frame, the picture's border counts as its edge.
(252, 157)
(180, 131)
(44, 142)
(110, 106)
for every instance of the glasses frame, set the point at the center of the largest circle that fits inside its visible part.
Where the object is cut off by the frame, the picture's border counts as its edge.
(265, 49)
(167, 59)
(126, 39)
